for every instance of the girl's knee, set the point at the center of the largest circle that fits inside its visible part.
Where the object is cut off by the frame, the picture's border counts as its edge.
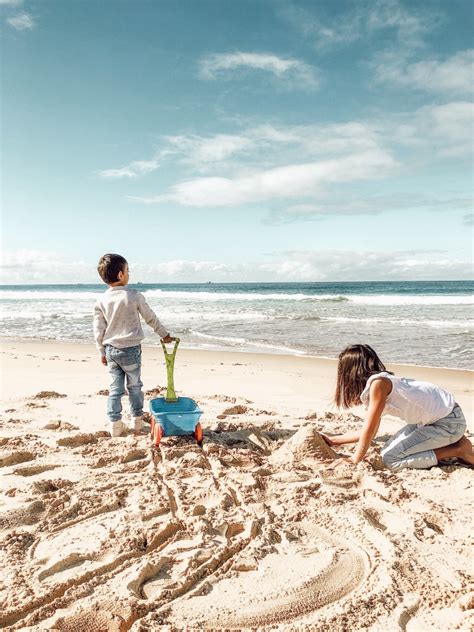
(391, 460)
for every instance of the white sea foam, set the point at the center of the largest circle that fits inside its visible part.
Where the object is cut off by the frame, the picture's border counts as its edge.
(435, 324)
(211, 316)
(244, 342)
(365, 299)
(227, 339)
(420, 328)
(241, 296)
(412, 299)
(35, 313)
(35, 295)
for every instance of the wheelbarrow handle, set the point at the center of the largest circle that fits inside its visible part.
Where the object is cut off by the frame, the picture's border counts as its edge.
(175, 348)
(169, 360)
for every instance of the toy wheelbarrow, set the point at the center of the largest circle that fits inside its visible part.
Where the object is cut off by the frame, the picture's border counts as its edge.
(173, 416)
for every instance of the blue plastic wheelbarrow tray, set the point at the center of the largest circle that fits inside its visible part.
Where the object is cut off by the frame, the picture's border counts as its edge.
(171, 415)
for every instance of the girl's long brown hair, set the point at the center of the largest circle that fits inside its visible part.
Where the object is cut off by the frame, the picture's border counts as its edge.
(356, 364)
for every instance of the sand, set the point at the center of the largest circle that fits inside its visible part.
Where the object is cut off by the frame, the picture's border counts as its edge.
(252, 531)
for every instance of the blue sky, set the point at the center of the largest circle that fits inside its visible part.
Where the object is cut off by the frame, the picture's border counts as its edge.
(237, 141)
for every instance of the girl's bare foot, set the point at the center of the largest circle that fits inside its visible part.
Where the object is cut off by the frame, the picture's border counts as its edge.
(461, 450)
(465, 451)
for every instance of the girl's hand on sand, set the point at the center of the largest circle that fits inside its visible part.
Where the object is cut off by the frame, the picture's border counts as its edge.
(103, 359)
(327, 439)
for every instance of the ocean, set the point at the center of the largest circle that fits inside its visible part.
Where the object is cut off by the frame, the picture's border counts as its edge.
(426, 323)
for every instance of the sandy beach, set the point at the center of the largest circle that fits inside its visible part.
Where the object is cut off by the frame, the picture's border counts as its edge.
(251, 531)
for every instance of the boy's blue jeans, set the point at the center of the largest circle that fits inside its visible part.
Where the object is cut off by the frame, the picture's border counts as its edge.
(124, 363)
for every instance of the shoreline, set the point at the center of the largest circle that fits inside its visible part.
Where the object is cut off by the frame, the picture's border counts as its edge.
(182, 348)
(306, 379)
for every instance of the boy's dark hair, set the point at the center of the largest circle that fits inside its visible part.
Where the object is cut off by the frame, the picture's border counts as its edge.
(109, 266)
(356, 364)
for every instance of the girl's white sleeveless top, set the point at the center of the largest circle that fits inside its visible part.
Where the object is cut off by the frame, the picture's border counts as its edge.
(413, 401)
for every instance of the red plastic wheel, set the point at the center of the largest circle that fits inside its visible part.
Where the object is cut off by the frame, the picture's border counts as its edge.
(157, 435)
(198, 432)
(152, 427)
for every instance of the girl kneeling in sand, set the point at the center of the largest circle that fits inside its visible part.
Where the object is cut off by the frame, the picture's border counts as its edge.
(436, 424)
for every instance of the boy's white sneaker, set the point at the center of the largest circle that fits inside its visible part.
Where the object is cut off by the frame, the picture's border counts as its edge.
(117, 428)
(138, 424)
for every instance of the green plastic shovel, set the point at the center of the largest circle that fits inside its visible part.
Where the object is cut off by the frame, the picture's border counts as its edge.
(169, 359)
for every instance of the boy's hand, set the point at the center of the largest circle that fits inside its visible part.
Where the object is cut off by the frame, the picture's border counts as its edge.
(168, 338)
(103, 359)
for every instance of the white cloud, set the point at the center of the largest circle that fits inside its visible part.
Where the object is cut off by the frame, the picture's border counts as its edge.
(266, 145)
(203, 152)
(22, 22)
(453, 75)
(408, 25)
(348, 265)
(37, 266)
(224, 65)
(440, 131)
(309, 265)
(351, 204)
(259, 147)
(133, 170)
(289, 181)
(437, 131)
(301, 164)
(451, 125)
(331, 265)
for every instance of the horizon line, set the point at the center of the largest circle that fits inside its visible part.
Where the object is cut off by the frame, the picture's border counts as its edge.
(5, 285)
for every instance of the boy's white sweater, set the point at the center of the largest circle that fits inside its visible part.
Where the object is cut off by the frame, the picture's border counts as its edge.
(117, 318)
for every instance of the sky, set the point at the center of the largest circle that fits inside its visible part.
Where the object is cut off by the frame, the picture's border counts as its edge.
(232, 141)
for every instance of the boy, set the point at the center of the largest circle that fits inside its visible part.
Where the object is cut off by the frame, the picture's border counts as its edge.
(118, 333)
